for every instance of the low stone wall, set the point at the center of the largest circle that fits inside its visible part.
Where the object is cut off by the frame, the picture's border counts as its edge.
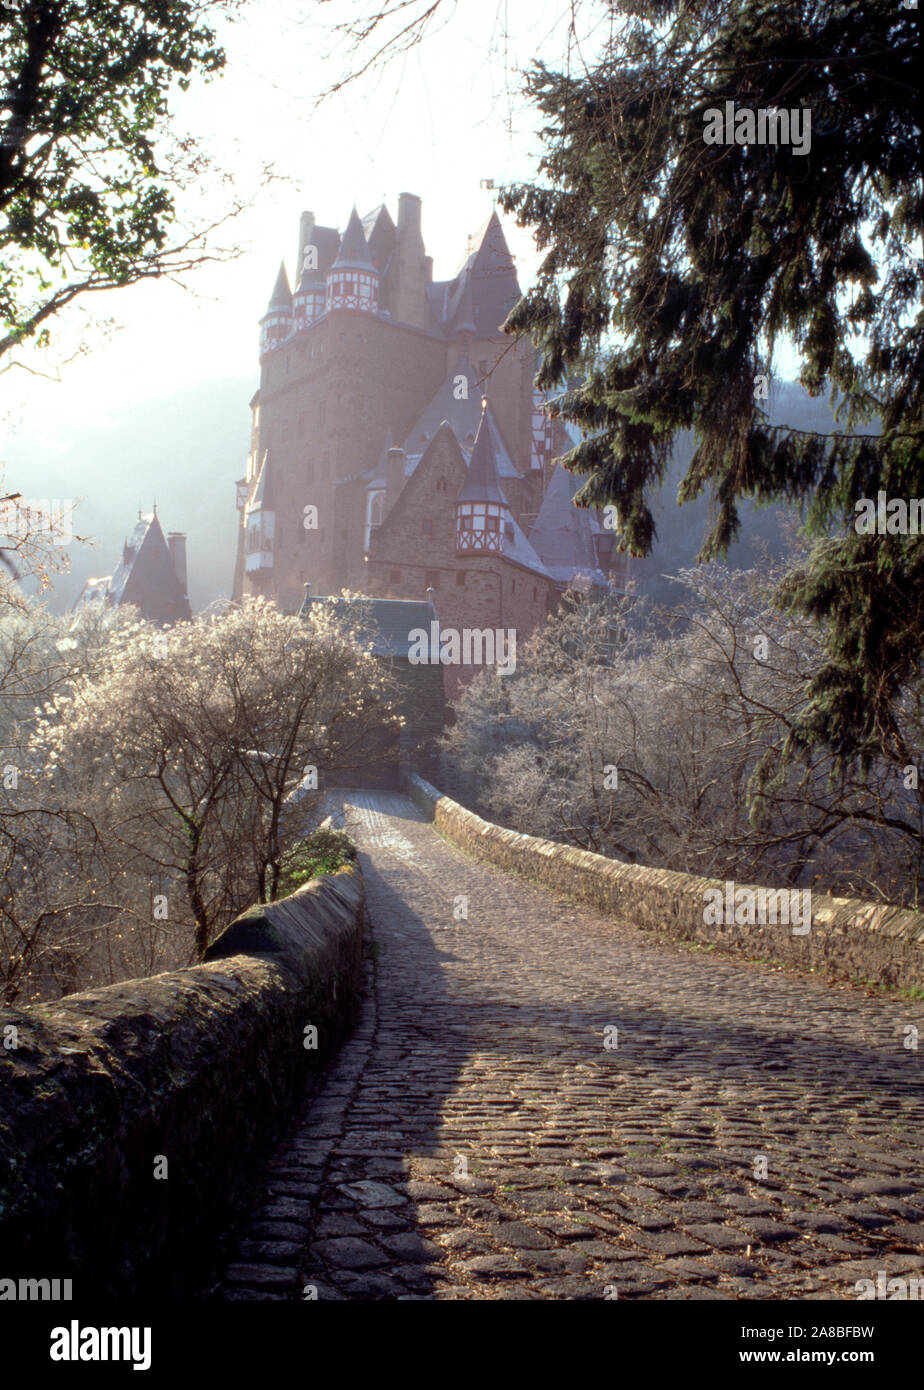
(848, 938)
(133, 1117)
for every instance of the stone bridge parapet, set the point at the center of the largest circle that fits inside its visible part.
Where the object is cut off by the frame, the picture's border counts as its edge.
(134, 1116)
(846, 938)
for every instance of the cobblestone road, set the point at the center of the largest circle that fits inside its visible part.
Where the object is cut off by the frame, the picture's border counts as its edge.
(477, 1139)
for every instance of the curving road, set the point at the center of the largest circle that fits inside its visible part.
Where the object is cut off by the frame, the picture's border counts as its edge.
(745, 1132)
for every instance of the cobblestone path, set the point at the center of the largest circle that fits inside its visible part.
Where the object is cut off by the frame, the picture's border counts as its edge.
(753, 1133)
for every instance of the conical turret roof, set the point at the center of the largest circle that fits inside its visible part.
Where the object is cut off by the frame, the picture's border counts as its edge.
(483, 483)
(281, 298)
(354, 251)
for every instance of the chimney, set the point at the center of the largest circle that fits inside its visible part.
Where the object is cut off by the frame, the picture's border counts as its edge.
(176, 544)
(394, 477)
(409, 217)
(410, 272)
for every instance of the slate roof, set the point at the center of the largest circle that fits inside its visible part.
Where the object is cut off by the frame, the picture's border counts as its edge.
(517, 547)
(476, 300)
(464, 417)
(130, 552)
(281, 298)
(145, 559)
(484, 290)
(563, 534)
(327, 241)
(493, 282)
(464, 320)
(390, 620)
(381, 235)
(354, 253)
(482, 483)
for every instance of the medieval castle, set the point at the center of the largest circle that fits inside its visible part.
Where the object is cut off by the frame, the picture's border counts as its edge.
(398, 447)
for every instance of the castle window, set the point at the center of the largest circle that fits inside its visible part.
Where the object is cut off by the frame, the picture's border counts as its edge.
(441, 484)
(479, 526)
(394, 577)
(460, 578)
(535, 595)
(427, 527)
(513, 586)
(432, 579)
(375, 515)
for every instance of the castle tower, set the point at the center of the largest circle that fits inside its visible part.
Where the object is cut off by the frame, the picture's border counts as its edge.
(483, 519)
(364, 343)
(411, 269)
(276, 323)
(353, 281)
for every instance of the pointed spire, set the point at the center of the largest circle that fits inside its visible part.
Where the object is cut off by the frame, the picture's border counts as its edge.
(380, 235)
(281, 298)
(354, 251)
(483, 483)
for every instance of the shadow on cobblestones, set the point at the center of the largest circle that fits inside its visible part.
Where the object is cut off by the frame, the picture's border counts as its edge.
(743, 1132)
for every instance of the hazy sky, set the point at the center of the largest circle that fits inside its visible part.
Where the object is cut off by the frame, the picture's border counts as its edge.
(435, 122)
